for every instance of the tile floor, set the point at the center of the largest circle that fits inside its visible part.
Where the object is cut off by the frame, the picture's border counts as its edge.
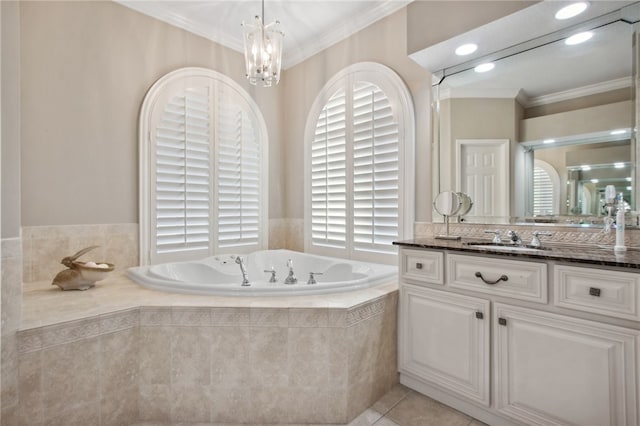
(401, 406)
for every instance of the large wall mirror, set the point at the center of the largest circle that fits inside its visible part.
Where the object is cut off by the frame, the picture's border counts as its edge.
(537, 138)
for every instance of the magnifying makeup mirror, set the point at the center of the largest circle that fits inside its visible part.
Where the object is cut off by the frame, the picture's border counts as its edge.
(465, 204)
(448, 204)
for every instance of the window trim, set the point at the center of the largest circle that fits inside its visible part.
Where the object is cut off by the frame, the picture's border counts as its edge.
(400, 97)
(149, 103)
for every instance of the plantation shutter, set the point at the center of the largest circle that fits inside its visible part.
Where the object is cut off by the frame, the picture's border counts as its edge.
(542, 192)
(203, 181)
(238, 168)
(182, 178)
(375, 170)
(329, 175)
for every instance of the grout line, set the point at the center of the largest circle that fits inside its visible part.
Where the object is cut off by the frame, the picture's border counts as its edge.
(391, 408)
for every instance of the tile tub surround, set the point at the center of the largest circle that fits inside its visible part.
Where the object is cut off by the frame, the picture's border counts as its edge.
(188, 358)
(45, 246)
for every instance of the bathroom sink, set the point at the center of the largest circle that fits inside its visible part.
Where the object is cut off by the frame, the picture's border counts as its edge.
(508, 247)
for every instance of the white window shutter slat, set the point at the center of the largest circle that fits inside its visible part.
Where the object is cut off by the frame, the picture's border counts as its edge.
(328, 175)
(182, 180)
(375, 170)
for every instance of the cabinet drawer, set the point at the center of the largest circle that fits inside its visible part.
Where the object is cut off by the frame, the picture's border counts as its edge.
(502, 277)
(422, 266)
(611, 293)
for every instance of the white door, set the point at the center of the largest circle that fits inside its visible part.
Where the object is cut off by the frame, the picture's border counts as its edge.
(444, 340)
(556, 370)
(483, 173)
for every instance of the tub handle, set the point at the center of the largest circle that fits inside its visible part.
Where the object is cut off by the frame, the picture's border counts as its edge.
(272, 271)
(312, 279)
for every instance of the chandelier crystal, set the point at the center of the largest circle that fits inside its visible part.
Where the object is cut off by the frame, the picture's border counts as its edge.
(263, 51)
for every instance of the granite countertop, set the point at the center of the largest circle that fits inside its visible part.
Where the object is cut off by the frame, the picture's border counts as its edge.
(581, 253)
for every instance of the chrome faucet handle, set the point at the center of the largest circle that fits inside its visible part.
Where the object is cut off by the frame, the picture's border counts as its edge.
(312, 279)
(271, 271)
(535, 240)
(496, 236)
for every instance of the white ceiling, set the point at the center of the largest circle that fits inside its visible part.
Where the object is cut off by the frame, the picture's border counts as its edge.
(309, 25)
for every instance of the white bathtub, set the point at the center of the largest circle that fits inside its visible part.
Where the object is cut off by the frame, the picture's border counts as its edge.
(221, 275)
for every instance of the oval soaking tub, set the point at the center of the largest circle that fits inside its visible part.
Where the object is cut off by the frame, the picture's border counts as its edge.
(221, 274)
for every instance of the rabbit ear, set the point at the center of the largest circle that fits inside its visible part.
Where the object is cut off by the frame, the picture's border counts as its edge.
(81, 252)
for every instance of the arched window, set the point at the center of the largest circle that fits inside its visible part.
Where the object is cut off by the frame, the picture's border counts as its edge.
(203, 175)
(359, 144)
(546, 189)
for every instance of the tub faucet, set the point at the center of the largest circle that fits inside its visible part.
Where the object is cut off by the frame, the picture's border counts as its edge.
(291, 278)
(245, 280)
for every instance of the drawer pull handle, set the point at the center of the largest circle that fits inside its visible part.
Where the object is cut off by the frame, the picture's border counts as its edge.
(502, 321)
(479, 315)
(594, 291)
(418, 265)
(502, 278)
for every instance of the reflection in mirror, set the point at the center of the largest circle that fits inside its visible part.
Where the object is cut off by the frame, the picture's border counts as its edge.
(541, 135)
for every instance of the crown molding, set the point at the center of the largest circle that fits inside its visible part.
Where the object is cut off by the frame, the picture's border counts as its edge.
(565, 95)
(480, 93)
(342, 31)
(291, 57)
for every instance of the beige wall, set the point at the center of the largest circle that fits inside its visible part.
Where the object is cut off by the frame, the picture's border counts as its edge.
(430, 22)
(474, 118)
(86, 67)
(383, 42)
(10, 48)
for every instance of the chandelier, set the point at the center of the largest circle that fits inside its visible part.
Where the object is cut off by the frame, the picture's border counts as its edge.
(263, 51)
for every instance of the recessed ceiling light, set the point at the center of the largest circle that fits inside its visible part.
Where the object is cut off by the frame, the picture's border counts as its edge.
(571, 10)
(619, 165)
(578, 38)
(466, 49)
(618, 132)
(488, 66)
(548, 141)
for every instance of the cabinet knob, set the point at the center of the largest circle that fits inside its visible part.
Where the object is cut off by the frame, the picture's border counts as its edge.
(502, 321)
(418, 265)
(479, 315)
(594, 291)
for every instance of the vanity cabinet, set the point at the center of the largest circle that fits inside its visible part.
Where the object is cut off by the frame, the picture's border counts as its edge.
(556, 370)
(507, 355)
(445, 339)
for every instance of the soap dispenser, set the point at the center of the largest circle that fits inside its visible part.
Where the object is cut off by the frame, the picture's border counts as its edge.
(620, 248)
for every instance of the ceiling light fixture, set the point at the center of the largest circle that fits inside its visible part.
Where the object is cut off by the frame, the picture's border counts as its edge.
(578, 38)
(488, 66)
(263, 51)
(572, 10)
(466, 49)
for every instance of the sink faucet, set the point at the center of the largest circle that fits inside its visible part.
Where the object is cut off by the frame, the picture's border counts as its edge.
(245, 280)
(515, 238)
(535, 241)
(291, 278)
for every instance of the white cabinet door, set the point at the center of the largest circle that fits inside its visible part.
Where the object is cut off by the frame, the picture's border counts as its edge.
(444, 340)
(556, 370)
